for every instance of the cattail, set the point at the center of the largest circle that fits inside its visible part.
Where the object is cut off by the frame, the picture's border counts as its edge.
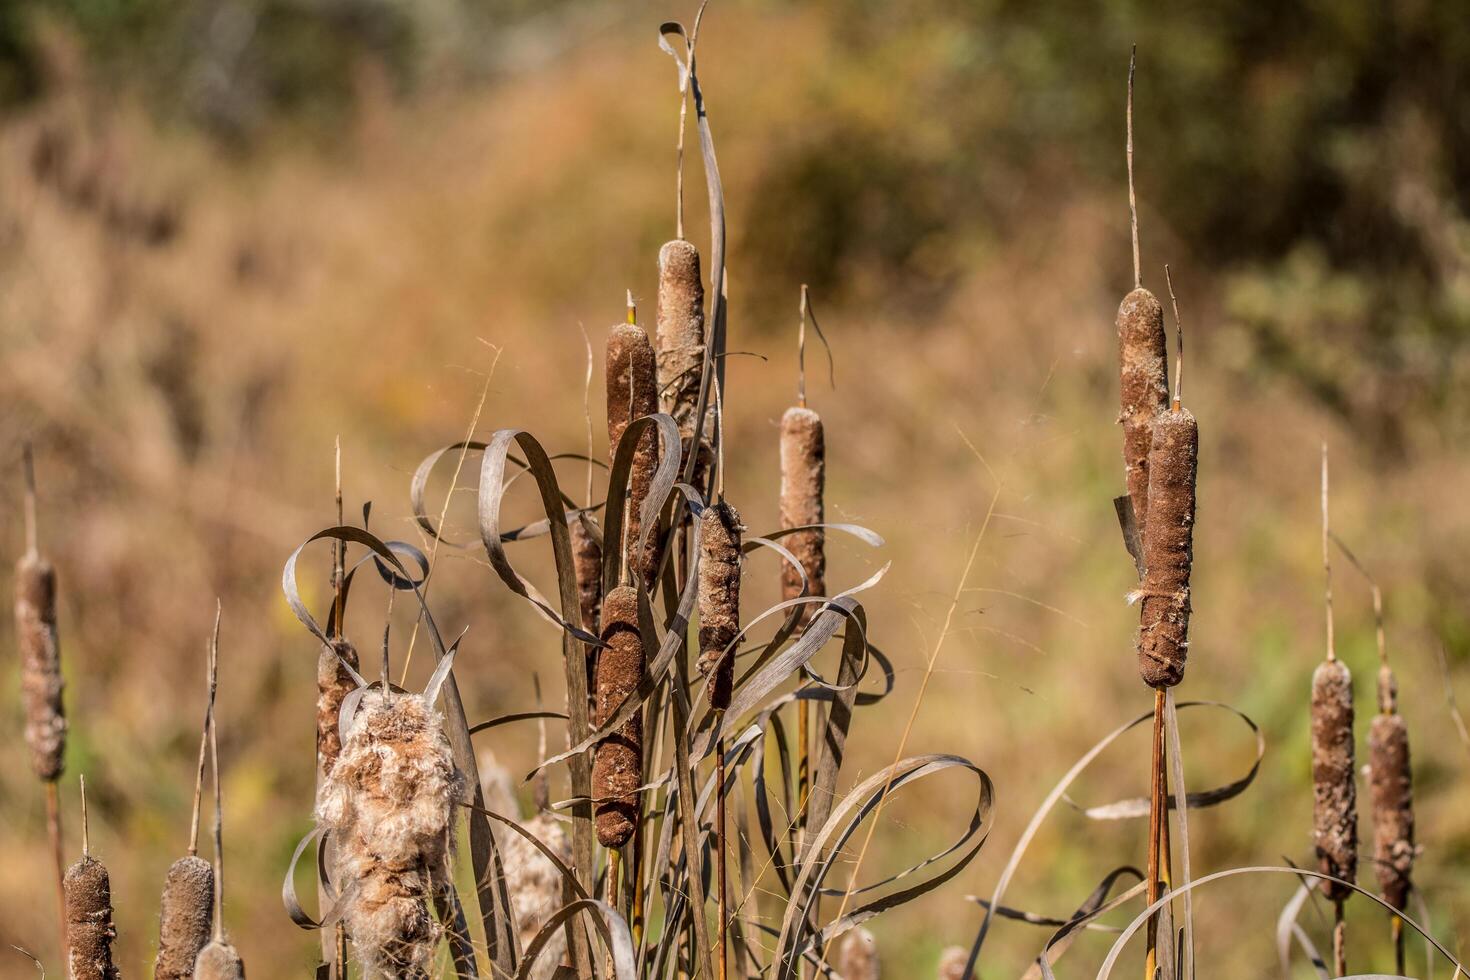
(89, 929)
(680, 334)
(587, 566)
(389, 801)
(333, 683)
(952, 964)
(803, 479)
(1144, 389)
(1168, 549)
(1334, 790)
(632, 392)
(1393, 796)
(218, 961)
(40, 655)
(535, 886)
(719, 599)
(617, 765)
(859, 959)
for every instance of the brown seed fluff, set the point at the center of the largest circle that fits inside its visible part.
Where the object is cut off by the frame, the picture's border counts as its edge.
(719, 599)
(680, 333)
(218, 961)
(1391, 783)
(803, 480)
(89, 930)
(632, 392)
(617, 764)
(1168, 549)
(1143, 372)
(186, 919)
(1335, 794)
(333, 684)
(40, 664)
(389, 801)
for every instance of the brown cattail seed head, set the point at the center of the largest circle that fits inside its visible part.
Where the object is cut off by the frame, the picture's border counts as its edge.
(1391, 783)
(719, 599)
(1335, 794)
(617, 764)
(333, 684)
(187, 917)
(632, 392)
(218, 961)
(389, 801)
(1168, 549)
(952, 963)
(1143, 374)
(803, 480)
(587, 566)
(859, 959)
(89, 930)
(680, 333)
(40, 664)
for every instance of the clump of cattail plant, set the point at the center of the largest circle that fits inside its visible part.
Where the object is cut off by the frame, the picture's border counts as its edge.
(632, 392)
(953, 963)
(187, 911)
(719, 599)
(89, 928)
(1334, 789)
(389, 800)
(859, 959)
(680, 320)
(617, 762)
(40, 670)
(1142, 360)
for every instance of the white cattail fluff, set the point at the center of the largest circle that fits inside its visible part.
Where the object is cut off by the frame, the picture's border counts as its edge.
(535, 887)
(859, 959)
(389, 802)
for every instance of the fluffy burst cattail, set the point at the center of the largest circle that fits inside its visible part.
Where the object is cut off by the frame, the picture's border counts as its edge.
(803, 479)
(89, 929)
(680, 334)
(1393, 797)
(40, 663)
(535, 886)
(859, 959)
(617, 764)
(719, 599)
(1335, 794)
(333, 683)
(389, 800)
(952, 963)
(632, 392)
(218, 961)
(186, 919)
(1144, 389)
(1168, 549)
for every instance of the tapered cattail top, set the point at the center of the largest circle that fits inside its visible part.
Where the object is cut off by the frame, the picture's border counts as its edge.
(1334, 790)
(719, 599)
(803, 483)
(859, 959)
(680, 332)
(617, 762)
(1168, 549)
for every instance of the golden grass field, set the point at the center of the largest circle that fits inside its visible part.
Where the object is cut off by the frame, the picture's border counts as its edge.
(376, 284)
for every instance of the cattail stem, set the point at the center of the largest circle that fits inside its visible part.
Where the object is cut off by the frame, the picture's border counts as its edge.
(721, 843)
(53, 831)
(1327, 559)
(1339, 941)
(1157, 822)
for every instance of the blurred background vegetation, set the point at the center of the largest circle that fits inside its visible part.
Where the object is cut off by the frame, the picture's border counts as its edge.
(233, 229)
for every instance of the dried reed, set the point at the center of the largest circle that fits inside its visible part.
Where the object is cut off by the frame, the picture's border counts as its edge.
(89, 932)
(617, 762)
(389, 800)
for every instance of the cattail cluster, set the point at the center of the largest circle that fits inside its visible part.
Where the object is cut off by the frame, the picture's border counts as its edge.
(389, 801)
(1335, 794)
(333, 683)
(1393, 797)
(1168, 548)
(803, 480)
(719, 599)
(187, 917)
(859, 959)
(681, 338)
(89, 928)
(40, 663)
(617, 762)
(1144, 389)
(632, 392)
